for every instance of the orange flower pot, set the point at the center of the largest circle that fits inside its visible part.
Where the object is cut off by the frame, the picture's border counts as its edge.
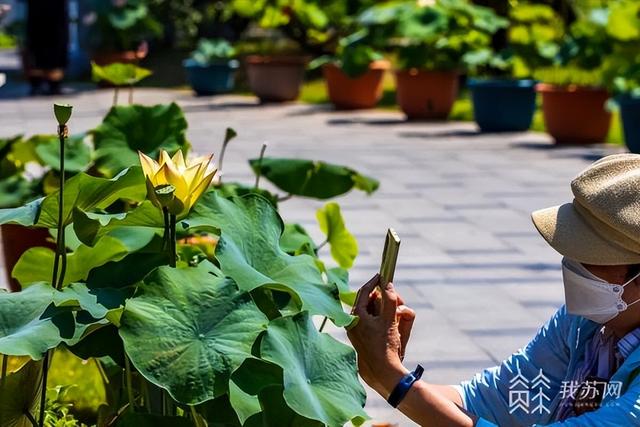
(426, 95)
(16, 240)
(275, 78)
(347, 93)
(575, 114)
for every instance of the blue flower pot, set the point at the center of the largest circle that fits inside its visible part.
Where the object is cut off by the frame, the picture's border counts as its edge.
(503, 105)
(211, 79)
(630, 115)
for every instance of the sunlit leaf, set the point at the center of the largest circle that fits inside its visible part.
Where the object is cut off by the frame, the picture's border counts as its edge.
(344, 247)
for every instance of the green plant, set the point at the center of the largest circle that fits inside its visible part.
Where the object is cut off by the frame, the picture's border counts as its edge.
(353, 55)
(441, 35)
(534, 35)
(120, 25)
(315, 26)
(621, 69)
(210, 51)
(583, 53)
(218, 332)
(118, 74)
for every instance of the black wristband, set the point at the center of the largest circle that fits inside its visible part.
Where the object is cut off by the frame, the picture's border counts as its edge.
(401, 390)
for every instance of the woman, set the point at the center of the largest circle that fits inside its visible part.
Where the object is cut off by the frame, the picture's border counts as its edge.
(583, 366)
(47, 45)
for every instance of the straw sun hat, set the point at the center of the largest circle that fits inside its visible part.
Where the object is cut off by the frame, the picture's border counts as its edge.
(602, 224)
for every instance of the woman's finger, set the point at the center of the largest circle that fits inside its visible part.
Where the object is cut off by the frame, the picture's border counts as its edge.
(389, 303)
(406, 317)
(362, 299)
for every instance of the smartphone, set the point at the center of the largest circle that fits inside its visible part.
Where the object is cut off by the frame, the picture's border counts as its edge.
(389, 257)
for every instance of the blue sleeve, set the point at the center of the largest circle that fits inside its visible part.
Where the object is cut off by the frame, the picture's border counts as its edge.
(487, 395)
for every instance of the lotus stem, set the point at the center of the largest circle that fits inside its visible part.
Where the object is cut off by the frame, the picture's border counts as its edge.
(324, 323)
(172, 241)
(127, 371)
(130, 94)
(321, 245)
(30, 418)
(115, 96)
(167, 233)
(3, 378)
(285, 198)
(259, 172)
(61, 253)
(228, 136)
(43, 395)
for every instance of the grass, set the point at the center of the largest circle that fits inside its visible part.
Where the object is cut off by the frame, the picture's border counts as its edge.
(315, 92)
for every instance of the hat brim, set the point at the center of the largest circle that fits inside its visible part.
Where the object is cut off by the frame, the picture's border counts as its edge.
(569, 234)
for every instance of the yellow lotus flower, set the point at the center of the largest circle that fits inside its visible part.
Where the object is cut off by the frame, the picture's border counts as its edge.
(187, 180)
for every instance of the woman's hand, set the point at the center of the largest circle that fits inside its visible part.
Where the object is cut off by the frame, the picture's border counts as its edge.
(380, 337)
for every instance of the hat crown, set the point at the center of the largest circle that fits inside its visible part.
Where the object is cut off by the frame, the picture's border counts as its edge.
(607, 195)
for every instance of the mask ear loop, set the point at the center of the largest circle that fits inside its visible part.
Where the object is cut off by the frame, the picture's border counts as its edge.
(629, 281)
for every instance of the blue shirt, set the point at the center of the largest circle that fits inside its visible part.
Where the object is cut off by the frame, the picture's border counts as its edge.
(541, 374)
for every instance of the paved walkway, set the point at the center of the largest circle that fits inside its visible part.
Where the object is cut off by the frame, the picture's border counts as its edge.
(471, 263)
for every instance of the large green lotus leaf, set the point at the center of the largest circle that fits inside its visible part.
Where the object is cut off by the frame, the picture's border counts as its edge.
(83, 192)
(320, 377)
(309, 178)
(344, 247)
(77, 154)
(31, 323)
(20, 392)
(36, 264)
(201, 326)
(249, 252)
(129, 129)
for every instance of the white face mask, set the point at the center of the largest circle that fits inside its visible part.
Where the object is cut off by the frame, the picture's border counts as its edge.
(591, 297)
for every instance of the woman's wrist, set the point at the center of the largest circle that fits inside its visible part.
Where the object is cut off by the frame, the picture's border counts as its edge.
(390, 379)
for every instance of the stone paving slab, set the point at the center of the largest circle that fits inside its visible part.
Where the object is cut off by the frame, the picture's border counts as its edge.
(472, 265)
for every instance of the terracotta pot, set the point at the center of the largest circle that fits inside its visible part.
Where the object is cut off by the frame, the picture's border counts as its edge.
(275, 78)
(574, 114)
(426, 95)
(16, 239)
(348, 93)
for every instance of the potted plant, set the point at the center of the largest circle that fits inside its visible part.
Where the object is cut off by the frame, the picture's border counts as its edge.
(622, 70)
(574, 93)
(119, 30)
(354, 75)
(504, 97)
(211, 67)
(433, 41)
(290, 32)
(275, 67)
(146, 311)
